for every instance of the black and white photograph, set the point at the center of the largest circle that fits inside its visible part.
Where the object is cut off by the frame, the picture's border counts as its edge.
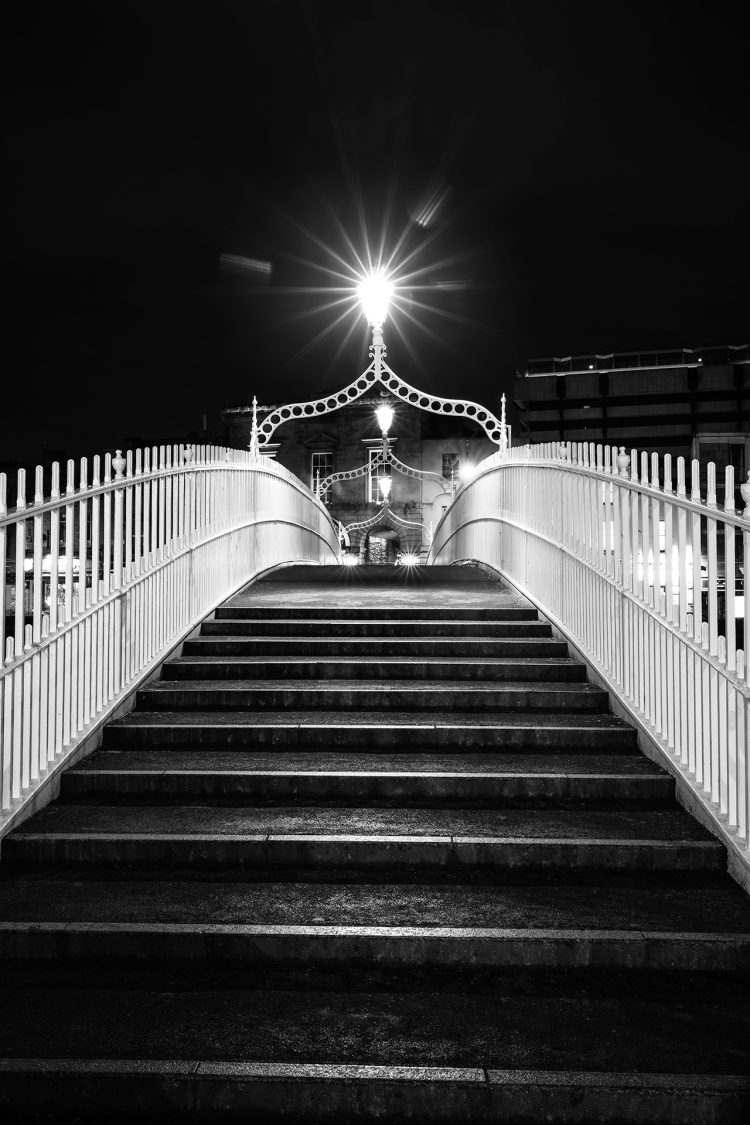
(374, 537)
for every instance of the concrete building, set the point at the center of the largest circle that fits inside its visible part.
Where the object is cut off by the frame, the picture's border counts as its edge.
(690, 402)
(345, 439)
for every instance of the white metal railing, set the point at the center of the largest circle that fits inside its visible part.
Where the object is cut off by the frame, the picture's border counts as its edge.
(647, 580)
(99, 581)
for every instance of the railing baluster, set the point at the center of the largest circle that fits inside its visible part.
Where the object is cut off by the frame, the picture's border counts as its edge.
(695, 527)
(128, 559)
(20, 584)
(630, 592)
(38, 552)
(3, 568)
(730, 612)
(70, 508)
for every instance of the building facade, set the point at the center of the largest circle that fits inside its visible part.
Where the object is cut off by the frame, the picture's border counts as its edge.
(690, 402)
(345, 439)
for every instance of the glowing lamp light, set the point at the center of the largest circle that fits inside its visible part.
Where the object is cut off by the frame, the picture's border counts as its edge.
(466, 472)
(350, 560)
(384, 415)
(385, 486)
(375, 293)
(409, 559)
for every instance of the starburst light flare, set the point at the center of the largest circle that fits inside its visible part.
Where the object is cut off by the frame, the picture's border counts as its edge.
(375, 293)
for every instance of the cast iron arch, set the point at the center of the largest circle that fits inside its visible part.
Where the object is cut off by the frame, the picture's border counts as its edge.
(453, 407)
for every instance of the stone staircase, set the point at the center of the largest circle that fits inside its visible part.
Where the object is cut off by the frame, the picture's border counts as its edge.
(372, 849)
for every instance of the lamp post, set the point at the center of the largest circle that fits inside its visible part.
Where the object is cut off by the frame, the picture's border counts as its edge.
(384, 415)
(375, 294)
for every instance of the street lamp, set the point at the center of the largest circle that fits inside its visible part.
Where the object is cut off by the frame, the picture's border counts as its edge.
(375, 293)
(384, 483)
(384, 415)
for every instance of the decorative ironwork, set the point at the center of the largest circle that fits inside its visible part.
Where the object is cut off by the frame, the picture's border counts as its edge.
(362, 525)
(385, 513)
(381, 458)
(344, 540)
(323, 485)
(379, 372)
(408, 523)
(421, 474)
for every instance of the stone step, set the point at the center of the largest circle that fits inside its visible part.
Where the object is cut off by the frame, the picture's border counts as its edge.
(394, 947)
(531, 779)
(342, 612)
(410, 667)
(207, 836)
(699, 923)
(576, 732)
(206, 1090)
(274, 1045)
(364, 695)
(335, 628)
(621, 902)
(366, 647)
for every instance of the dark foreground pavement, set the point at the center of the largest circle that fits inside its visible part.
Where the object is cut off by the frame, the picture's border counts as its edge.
(372, 849)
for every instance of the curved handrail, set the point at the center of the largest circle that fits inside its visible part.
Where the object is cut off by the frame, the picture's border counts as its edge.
(646, 578)
(105, 578)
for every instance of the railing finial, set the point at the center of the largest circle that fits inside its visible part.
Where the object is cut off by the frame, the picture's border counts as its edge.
(503, 429)
(254, 443)
(623, 461)
(745, 492)
(118, 464)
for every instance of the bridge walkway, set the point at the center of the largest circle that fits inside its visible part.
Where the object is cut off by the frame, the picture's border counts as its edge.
(372, 847)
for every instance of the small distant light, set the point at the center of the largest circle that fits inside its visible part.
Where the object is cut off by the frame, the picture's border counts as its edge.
(384, 415)
(591, 367)
(385, 486)
(586, 407)
(350, 560)
(409, 559)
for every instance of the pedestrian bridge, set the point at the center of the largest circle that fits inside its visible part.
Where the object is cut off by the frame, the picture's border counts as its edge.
(631, 564)
(375, 843)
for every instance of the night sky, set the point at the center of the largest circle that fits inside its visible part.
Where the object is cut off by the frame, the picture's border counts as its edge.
(566, 177)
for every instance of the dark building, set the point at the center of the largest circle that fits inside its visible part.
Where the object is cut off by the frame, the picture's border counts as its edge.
(690, 402)
(345, 439)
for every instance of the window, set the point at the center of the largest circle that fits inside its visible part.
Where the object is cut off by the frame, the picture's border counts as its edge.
(450, 466)
(373, 490)
(321, 466)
